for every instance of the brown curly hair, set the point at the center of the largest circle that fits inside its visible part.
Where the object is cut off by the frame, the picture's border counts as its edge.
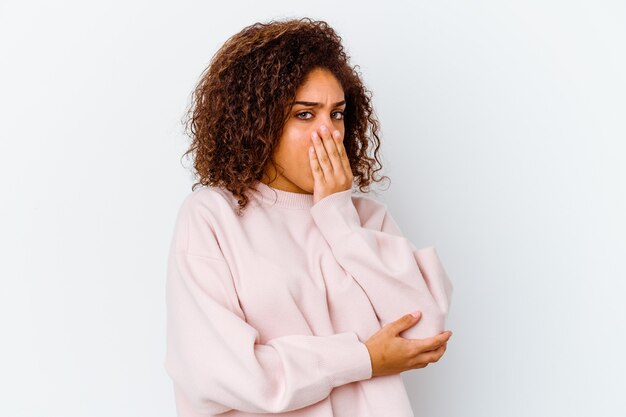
(244, 96)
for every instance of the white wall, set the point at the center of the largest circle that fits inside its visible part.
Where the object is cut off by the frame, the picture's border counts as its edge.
(503, 133)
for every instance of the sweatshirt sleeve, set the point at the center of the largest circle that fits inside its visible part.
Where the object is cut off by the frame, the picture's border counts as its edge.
(213, 355)
(397, 277)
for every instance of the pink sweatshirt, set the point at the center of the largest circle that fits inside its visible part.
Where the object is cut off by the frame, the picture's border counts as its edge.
(270, 312)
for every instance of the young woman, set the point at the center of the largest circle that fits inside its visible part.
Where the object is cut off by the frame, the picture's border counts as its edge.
(287, 293)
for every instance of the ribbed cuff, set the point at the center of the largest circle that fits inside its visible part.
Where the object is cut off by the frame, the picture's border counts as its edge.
(336, 216)
(348, 361)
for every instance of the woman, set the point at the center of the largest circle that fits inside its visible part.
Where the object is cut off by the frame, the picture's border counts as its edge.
(286, 293)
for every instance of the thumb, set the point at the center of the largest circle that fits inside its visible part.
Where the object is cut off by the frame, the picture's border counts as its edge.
(405, 322)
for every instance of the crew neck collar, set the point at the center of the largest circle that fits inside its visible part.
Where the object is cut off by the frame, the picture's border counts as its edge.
(283, 198)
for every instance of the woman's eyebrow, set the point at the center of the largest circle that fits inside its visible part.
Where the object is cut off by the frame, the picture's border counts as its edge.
(316, 104)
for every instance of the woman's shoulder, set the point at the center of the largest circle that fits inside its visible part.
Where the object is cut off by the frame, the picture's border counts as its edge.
(374, 213)
(368, 204)
(208, 198)
(202, 212)
(208, 206)
(368, 201)
(371, 210)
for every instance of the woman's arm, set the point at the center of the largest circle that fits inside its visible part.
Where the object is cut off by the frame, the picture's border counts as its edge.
(212, 353)
(213, 356)
(396, 276)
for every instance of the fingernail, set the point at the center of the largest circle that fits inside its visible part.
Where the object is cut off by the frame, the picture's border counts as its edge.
(416, 313)
(323, 127)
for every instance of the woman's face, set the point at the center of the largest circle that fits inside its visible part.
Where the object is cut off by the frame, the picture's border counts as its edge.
(324, 103)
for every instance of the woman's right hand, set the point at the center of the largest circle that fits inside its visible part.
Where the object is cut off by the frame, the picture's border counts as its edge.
(392, 354)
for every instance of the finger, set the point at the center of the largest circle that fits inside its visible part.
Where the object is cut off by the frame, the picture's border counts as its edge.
(331, 149)
(322, 157)
(316, 169)
(433, 342)
(343, 155)
(441, 346)
(435, 355)
(430, 356)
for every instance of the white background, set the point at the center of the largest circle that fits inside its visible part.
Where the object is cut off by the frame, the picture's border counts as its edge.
(503, 131)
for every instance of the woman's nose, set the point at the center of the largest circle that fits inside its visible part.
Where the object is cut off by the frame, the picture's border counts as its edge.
(325, 122)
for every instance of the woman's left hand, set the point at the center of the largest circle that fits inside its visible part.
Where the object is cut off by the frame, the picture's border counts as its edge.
(329, 163)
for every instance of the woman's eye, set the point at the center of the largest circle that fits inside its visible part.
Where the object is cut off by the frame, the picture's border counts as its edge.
(305, 112)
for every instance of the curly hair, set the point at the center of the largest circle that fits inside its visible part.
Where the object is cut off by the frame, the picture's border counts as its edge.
(243, 98)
